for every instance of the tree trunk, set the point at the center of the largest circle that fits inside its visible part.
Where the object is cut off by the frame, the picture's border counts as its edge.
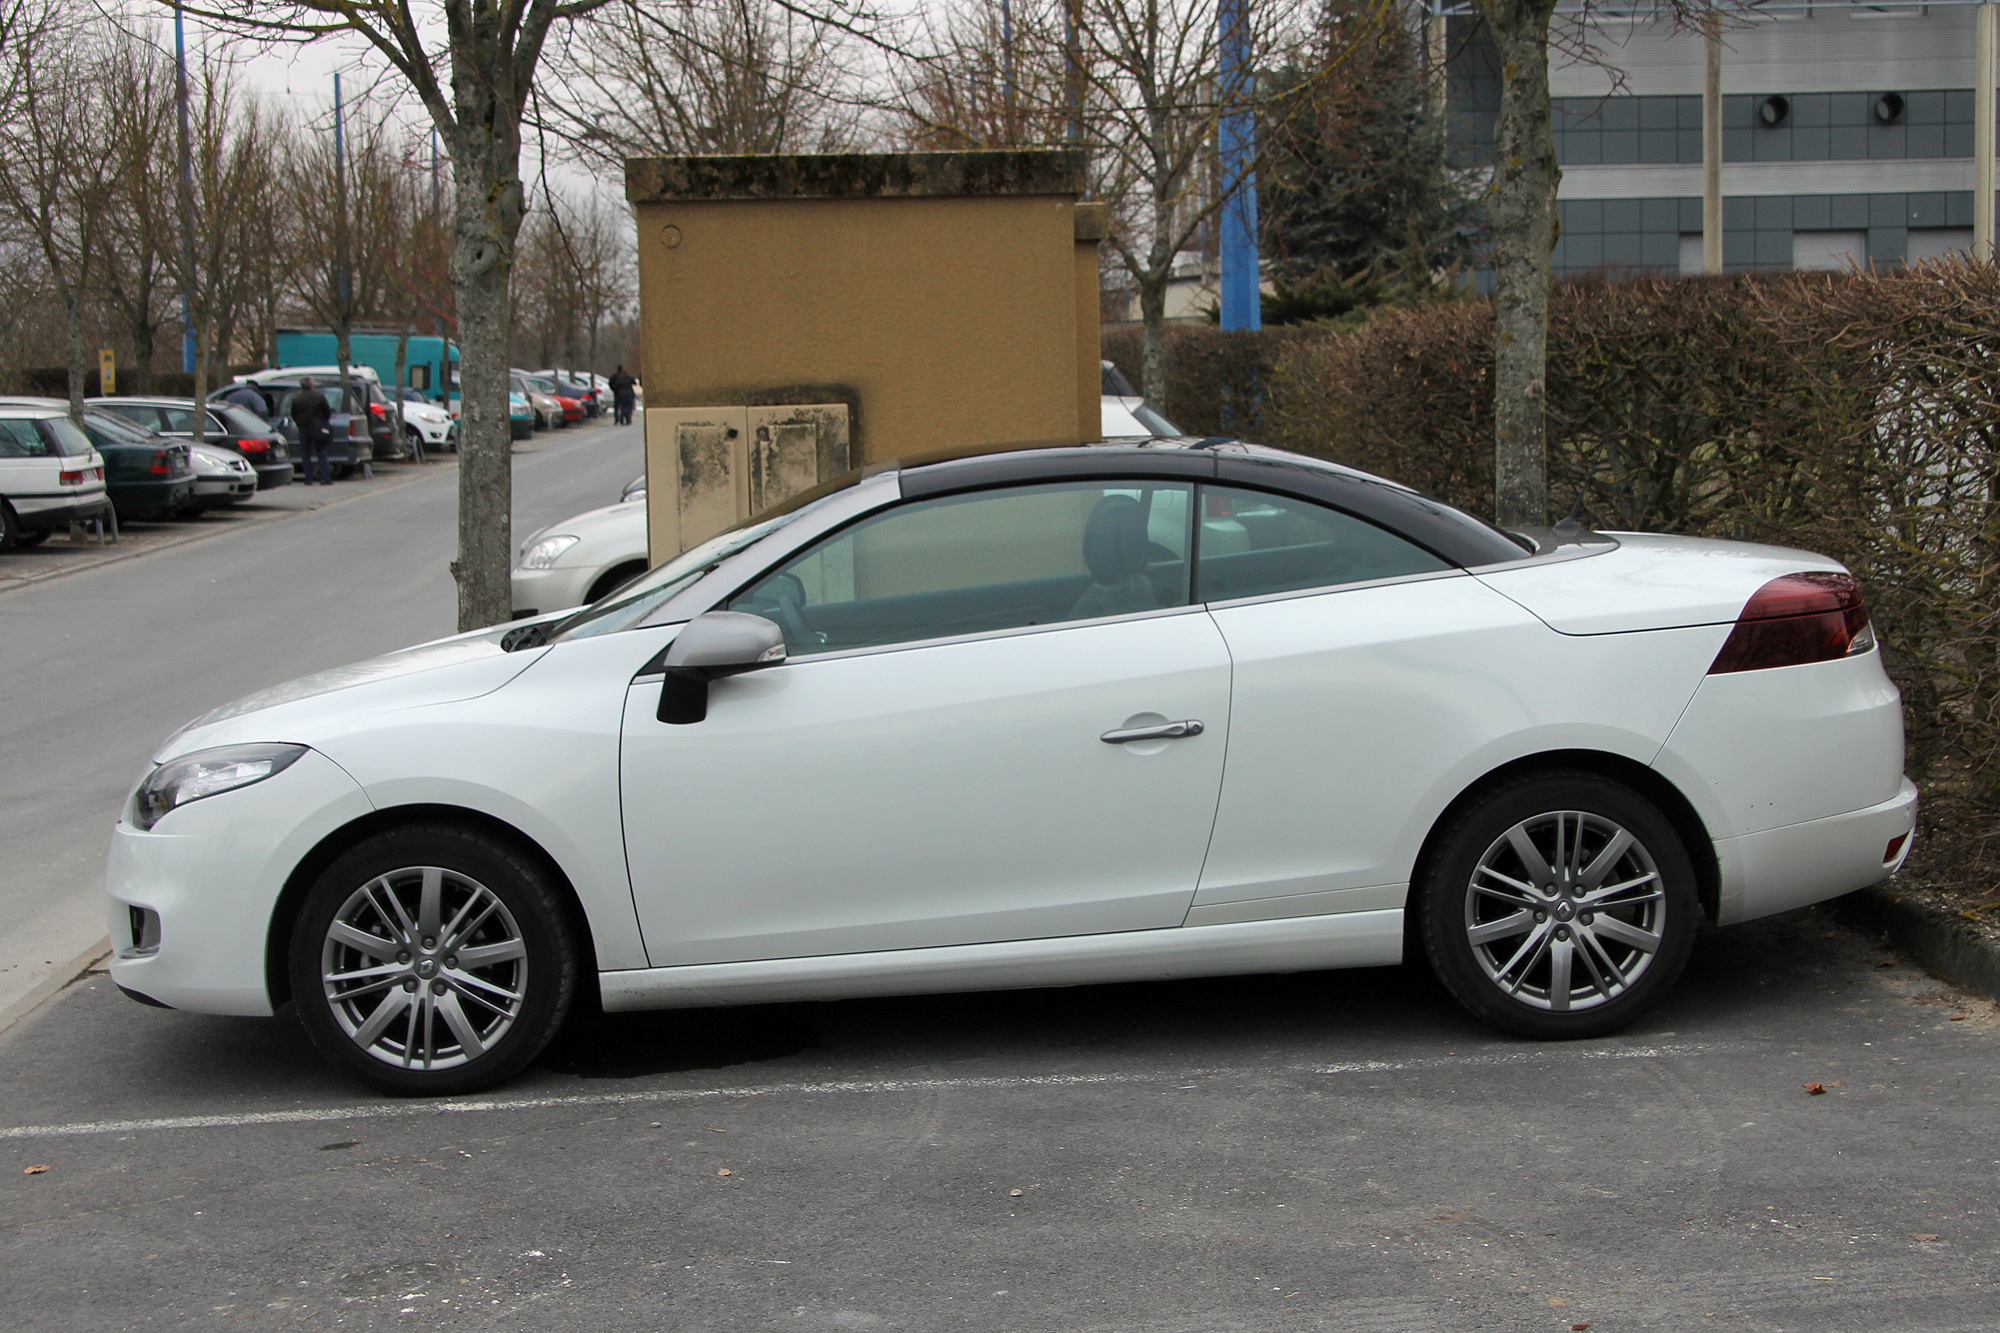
(79, 367)
(1521, 210)
(487, 209)
(1153, 361)
(143, 331)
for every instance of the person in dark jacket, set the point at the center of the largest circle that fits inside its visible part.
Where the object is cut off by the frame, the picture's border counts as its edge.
(314, 418)
(249, 400)
(621, 396)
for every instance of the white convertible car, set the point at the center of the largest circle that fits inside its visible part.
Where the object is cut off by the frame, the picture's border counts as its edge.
(1039, 718)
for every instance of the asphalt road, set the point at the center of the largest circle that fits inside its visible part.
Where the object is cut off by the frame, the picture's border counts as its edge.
(97, 667)
(1336, 1151)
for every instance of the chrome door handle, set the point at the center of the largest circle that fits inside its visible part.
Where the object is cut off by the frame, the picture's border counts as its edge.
(1166, 731)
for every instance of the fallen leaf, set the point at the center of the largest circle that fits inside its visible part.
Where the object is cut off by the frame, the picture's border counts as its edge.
(725, 1171)
(1958, 1018)
(1578, 1328)
(34, 1170)
(1557, 1300)
(1014, 1194)
(1923, 1235)
(1816, 1089)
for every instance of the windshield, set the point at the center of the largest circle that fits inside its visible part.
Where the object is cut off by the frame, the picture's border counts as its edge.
(633, 603)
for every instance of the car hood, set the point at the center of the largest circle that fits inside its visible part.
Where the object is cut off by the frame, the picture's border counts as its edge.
(1647, 582)
(443, 671)
(624, 520)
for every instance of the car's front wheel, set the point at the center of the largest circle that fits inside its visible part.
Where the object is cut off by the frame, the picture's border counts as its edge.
(432, 960)
(1560, 905)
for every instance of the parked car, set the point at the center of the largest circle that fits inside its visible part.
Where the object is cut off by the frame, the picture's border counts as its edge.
(1536, 759)
(569, 407)
(50, 474)
(366, 402)
(571, 385)
(229, 426)
(221, 478)
(547, 411)
(610, 545)
(147, 475)
(520, 413)
(353, 438)
(437, 427)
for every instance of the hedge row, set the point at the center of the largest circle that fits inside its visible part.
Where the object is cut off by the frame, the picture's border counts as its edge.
(1854, 414)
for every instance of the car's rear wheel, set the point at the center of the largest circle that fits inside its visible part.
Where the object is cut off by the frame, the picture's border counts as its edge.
(35, 538)
(1561, 905)
(432, 960)
(10, 527)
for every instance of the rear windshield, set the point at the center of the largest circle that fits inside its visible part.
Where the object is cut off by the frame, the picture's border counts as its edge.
(241, 421)
(111, 426)
(66, 435)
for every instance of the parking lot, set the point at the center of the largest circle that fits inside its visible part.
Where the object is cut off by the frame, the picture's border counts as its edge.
(1322, 1151)
(1340, 1151)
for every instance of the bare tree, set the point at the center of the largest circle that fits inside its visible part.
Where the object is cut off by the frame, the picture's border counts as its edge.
(642, 78)
(61, 172)
(138, 268)
(474, 84)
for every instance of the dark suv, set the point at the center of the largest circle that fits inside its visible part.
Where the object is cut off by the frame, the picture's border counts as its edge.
(355, 438)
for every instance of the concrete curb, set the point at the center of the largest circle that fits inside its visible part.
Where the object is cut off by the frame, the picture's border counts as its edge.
(1934, 939)
(54, 984)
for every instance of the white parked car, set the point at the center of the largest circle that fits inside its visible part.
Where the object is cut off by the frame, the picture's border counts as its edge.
(434, 425)
(50, 475)
(595, 553)
(961, 726)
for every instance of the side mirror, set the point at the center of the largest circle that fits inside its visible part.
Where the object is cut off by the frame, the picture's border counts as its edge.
(718, 644)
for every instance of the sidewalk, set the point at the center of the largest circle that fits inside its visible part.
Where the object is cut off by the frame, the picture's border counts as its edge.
(60, 555)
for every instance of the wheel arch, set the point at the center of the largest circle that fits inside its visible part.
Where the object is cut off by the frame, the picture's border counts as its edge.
(277, 942)
(614, 578)
(1648, 782)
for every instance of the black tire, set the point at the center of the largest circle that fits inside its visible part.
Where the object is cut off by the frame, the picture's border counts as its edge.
(612, 580)
(10, 527)
(511, 1006)
(35, 538)
(1502, 951)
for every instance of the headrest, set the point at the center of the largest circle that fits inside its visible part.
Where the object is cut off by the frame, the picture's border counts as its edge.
(1114, 539)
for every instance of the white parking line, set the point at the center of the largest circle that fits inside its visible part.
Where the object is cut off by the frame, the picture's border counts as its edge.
(409, 1110)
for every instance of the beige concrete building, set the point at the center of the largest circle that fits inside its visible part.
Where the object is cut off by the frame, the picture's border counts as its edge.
(801, 315)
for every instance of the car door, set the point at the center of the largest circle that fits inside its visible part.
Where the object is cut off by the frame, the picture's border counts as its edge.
(1366, 669)
(938, 762)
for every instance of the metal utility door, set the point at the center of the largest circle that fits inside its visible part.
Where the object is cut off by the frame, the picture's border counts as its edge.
(710, 468)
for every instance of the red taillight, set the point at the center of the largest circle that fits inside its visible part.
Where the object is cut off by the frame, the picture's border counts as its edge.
(80, 476)
(1800, 618)
(250, 444)
(163, 463)
(1895, 845)
(378, 409)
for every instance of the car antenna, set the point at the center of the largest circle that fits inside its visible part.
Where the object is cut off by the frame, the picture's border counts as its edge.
(1569, 527)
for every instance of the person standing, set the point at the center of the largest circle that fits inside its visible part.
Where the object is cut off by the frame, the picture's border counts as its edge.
(314, 418)
(621, 396)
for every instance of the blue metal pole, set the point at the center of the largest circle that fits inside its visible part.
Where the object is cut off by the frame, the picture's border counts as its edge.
(187, 195)
(1242, 305)
(1007, 70)
(339, 185)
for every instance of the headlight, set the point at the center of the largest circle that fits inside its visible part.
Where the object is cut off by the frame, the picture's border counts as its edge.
(544, 553)
(175, 783)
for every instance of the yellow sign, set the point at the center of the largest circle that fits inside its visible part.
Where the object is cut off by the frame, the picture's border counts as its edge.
(107, 372)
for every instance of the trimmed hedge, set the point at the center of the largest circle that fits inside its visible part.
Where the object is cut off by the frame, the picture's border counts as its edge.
(1852, 414)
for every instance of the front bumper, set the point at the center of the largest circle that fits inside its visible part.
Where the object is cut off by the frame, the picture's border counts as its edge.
(210, 873)
(558, 589)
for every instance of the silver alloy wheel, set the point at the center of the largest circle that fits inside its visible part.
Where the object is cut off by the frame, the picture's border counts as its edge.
(1564, 911)
(424, 968)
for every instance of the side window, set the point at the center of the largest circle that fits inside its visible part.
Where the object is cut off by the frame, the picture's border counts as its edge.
(180, 420)
(18, 439)
(992, 560)
(137, 413)
(1252, 544)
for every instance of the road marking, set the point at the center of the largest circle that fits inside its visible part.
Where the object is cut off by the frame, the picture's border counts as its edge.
(409, 1110)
